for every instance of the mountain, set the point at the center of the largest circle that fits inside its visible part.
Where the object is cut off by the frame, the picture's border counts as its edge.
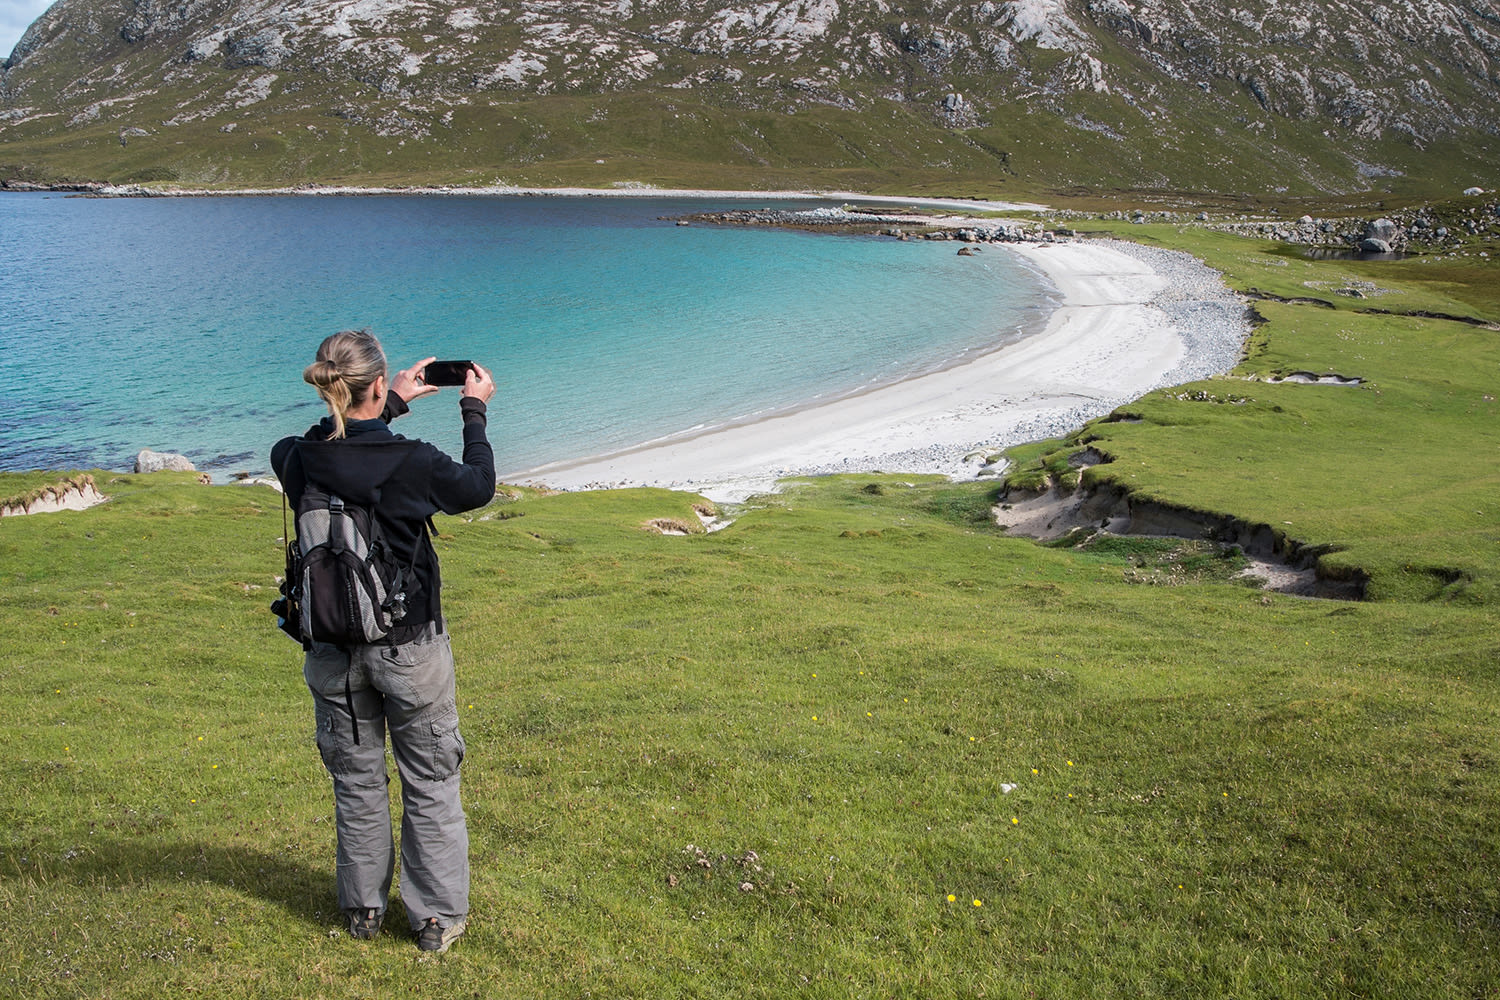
(1230, 97)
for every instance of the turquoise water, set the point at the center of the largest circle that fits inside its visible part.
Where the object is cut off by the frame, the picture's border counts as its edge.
(184, 324)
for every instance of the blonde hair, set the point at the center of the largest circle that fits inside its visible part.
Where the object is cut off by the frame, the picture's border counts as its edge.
(347, 365)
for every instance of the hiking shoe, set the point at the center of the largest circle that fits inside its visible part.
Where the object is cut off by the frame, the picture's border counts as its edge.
(435, 937)
(364, 924)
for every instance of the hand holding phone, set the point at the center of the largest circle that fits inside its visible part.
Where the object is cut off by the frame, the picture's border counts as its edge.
(480, 384)
(408, 383)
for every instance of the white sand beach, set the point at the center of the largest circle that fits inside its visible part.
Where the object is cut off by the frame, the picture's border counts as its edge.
(1131, 319)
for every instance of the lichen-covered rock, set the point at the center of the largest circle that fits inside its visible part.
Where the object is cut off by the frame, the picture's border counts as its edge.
(266, 47)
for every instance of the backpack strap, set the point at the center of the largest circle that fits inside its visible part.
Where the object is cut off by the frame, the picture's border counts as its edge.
(288, 607)
(349, 701)
(336, 523)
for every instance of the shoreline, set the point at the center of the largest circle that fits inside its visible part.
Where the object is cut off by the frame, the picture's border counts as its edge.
(628, 190)
(1131, 319)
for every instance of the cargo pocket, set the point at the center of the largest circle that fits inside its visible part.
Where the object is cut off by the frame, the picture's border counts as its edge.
(447, 748)
(330, 741)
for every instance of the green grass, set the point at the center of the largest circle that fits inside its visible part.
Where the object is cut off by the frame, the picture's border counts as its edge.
(1464, 288)
(759, 762)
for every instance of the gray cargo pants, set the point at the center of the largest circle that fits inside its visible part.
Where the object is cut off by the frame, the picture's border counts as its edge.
(408, 689)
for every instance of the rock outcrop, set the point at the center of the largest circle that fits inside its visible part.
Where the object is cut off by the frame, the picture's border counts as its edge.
(161, 461)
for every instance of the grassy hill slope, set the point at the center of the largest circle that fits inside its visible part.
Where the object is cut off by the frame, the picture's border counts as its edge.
(1020, 97)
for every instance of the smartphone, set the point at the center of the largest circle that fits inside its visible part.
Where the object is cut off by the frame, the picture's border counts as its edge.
(447, 372)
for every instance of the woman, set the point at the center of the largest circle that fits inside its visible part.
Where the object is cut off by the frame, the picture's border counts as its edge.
(405, 682)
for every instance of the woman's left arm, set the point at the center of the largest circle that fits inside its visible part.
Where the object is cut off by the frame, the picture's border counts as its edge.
(406, 387)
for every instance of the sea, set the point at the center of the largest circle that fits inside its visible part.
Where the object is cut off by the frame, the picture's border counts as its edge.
(184, 324)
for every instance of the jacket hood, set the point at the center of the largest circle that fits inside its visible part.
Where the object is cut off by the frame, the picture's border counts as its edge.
(356, 467)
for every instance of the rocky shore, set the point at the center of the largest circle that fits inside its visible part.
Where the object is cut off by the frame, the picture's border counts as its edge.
(906, 225)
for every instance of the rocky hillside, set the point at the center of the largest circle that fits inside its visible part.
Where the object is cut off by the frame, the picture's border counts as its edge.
(1230, 96)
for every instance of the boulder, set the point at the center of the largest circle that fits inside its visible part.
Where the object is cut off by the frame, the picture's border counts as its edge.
(1374, 246)
(1381, 229)
(162, 461)
(1471, 192)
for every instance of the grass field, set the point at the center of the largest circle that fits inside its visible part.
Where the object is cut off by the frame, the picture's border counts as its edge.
(857, 743)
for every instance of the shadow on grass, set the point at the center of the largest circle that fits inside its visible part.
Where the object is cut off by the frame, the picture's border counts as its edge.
(305, 893)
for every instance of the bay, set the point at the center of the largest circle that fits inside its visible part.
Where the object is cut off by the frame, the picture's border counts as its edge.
(183, 324)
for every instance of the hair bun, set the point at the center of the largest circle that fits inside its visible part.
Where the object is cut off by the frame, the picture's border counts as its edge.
(321, 374)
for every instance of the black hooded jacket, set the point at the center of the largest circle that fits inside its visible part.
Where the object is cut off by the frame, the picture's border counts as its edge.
(404, 482)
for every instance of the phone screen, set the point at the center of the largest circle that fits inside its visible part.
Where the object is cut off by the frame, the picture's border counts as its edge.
(446, 372)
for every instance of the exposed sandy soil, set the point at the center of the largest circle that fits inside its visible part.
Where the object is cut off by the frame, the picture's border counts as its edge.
(1055, 513)
(78, 496)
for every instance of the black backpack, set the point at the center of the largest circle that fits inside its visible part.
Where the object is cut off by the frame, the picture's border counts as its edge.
(343, 584)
